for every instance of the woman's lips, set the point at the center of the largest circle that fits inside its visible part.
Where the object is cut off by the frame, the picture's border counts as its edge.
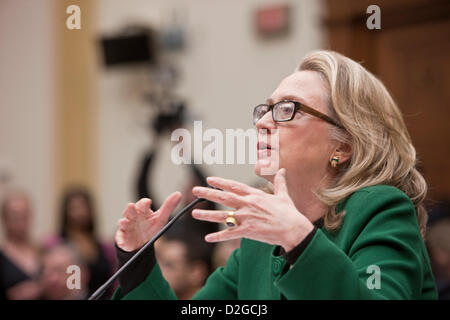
(263, 146)
(264, 150)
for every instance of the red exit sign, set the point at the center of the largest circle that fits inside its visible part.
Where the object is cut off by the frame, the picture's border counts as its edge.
(272, 20)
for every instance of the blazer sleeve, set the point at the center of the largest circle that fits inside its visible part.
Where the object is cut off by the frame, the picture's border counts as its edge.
(154, 287)
(382, 233)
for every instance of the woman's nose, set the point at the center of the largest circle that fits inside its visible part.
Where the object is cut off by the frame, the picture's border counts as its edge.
(266, 122)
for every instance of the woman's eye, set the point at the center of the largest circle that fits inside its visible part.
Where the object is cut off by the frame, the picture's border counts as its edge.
(286, 109)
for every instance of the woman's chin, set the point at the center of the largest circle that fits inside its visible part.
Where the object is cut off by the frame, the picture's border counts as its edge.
(265, 169)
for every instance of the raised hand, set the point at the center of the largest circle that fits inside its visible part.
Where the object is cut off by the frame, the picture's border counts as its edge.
(140, 224)
(269, 218)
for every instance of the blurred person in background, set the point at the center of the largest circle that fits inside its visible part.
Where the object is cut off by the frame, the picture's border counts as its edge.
(185, 258)
(55, 276)
(19, 257)
(438, 242)
(77, 228)
(223, 251)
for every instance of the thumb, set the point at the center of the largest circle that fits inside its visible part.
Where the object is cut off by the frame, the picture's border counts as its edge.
(169, 205)
(143, 205)
(279, 183)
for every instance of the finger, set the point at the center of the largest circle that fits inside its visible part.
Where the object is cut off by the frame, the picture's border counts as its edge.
(218, 216)
(227, 234)
(280, 186)
(123, 224)
(130, 211)
(231, 186)
(223, 197)
(169, 205)
(143, 206)
(120, 239)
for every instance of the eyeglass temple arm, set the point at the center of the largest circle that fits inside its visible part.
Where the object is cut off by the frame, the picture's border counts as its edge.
(319, 115)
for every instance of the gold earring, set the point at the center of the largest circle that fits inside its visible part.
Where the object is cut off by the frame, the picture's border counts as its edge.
(334, 161)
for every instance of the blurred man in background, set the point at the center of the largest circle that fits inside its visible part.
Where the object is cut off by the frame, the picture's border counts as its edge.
(438, 243)
(184, 257)
(55, 275)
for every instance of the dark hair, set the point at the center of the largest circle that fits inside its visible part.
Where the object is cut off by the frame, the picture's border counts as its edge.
(192, 233)
(438, 211)
(69, 195)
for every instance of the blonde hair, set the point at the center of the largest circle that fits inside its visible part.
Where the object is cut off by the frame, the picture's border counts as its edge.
(382, 149)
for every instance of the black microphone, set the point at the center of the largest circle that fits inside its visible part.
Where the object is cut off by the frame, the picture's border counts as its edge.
(101, 290)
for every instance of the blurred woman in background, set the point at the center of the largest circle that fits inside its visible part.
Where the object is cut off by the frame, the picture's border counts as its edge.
(78, 229)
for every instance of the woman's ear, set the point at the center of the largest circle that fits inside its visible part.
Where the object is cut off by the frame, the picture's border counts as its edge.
(343, 153)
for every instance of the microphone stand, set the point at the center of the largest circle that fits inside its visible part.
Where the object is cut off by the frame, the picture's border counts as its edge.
(100, 291)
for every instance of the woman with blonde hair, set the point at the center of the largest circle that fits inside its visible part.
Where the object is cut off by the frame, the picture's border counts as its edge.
(345, 219)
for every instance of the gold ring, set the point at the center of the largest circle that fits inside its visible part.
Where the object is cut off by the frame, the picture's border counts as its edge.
(230, 220)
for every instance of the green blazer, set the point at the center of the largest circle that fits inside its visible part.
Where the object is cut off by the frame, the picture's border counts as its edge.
(378, 253)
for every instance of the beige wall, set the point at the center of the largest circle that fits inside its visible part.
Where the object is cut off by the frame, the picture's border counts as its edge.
(27, 103)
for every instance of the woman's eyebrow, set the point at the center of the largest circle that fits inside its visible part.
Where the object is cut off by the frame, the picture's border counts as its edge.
(287, 97)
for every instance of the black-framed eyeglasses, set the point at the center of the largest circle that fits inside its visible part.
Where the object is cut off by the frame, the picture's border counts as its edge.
(285, 111)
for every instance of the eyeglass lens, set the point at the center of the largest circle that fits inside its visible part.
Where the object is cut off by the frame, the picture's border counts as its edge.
(282, 111)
